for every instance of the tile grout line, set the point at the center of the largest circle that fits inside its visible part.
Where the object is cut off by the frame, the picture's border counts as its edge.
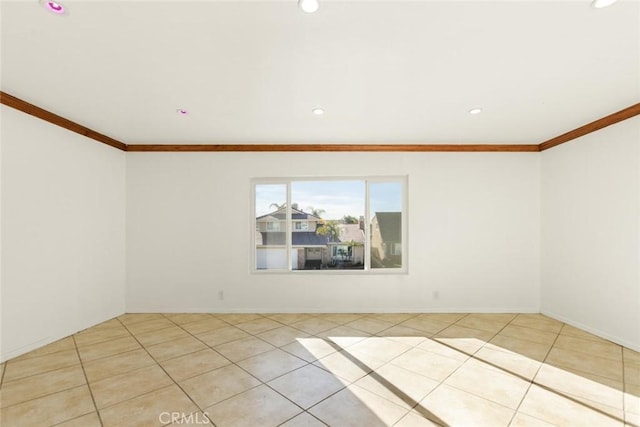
(624, 387)
(582, 336)
(471, 356)
(4, 371)
(317, 360)
(111, 355)
(137, 396)
(298, 357)
(262, 382)
(163, 369)
(404, 352)
(112, 339)
(37, 373)
(409, 349)
(74, 418)
(415, 373)
(255, 335)
(303, 412)
(286, 373)
(526, 339)
(87, 380)
(22, 358)
(232, 363)
(249, 373)
(535, 329)
(557, 392)
(315, 404)
(131, 334)
(533, 377)
(577, 401)
(43, 396)
(86, 332)
(515, 411)
(129, 372)
(227, 342)
(412, 406)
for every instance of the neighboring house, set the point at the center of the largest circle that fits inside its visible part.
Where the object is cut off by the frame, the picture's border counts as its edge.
(309, 249)
(386, 239)
(349, 245)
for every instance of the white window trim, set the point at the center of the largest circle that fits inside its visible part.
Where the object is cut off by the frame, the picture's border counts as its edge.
(286, 181)
(301, 223)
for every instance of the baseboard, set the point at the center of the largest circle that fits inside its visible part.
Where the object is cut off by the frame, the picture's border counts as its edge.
(48, 340)
(263, 310)
(29, 347)
(594, 331)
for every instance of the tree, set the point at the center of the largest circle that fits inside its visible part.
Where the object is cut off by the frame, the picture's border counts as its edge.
(280, 206)
(330, 229)
(316, 212)
(352, 244)
(348, 219)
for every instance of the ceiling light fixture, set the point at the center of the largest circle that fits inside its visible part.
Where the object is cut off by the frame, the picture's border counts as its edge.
(475, 111)
(308, 6)
(53, 7)
(182, 111)
(599, 4)
(318, 111)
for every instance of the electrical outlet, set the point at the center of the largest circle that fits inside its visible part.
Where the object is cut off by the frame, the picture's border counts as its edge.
(221, 295)
(436, 294)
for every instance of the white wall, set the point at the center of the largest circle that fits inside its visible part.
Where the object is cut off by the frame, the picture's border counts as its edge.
(475, 221)
(591, 232)
(62, 226)
(473, 234)
(1, 241)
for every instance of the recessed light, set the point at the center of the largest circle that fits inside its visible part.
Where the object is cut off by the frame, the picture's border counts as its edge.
(475, 111)
(599, 4)
(308, 6)
(182, 111)
(318, 111)
(53, 7)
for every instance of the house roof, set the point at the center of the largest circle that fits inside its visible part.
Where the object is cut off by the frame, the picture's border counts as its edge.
(299, 238)
(281, 215)
(349, 233)
(390, 224)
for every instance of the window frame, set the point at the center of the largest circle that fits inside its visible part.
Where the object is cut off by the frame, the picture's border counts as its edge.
(272, 228)
(301, 228)
(289, 223)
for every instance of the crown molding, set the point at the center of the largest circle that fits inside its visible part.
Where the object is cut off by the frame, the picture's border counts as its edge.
(25, 107)
(609, 120)
(48, 116)
(335, 147)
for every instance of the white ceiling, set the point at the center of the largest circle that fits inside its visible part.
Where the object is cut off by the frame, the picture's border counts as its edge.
(384, 71)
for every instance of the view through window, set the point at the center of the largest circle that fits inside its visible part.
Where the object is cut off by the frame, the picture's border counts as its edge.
(330, 224)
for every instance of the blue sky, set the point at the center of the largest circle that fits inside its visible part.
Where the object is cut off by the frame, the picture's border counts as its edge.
(385, 197)
(337, 198)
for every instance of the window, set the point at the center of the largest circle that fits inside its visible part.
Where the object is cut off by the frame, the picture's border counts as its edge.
(385, 204)
(272, 253)
(273, 226)
(339, 224)
(301, 225)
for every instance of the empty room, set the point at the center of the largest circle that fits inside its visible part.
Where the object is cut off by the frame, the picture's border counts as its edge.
(261, 213)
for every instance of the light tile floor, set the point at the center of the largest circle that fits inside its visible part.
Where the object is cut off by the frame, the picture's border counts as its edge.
(324, 369)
